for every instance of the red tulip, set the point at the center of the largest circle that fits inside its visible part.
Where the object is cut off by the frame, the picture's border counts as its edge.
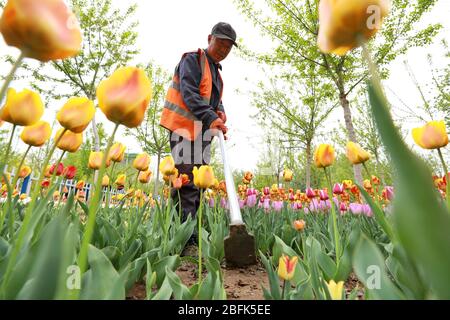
(59, 171)
(69, 172)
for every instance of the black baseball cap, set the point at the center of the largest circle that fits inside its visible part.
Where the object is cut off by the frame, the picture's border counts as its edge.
(224, 30)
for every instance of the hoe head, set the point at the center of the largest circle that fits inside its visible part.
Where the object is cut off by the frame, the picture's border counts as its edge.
(239, 247)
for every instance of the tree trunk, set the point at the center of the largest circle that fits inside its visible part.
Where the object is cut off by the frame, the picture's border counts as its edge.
(155, 192)
(308, 164)
(351, 133)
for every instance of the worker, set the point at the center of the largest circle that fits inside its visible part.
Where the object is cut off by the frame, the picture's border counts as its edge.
(193, 111)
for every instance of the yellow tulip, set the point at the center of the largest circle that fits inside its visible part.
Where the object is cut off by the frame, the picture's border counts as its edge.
(37, 134)
(142, 162)
(167, 166)
(356, 154)
(120, 181)
(95, 160)
(47, 173)
(286, 267)
(43, 30)
(324, 156)
(23, 108)
(24, 172)
(345, 24)
(80, 185)
(70, 141)
(145, 176)
(117, 152)
(76, 114)
(203, 177)
(431, 136)
(288, 175)
(105, 181)
(124, 96)
(335, 289)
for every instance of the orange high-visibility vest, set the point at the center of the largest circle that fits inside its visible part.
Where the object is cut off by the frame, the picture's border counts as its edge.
(176, 116)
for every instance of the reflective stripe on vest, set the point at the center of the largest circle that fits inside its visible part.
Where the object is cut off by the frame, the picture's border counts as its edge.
(176, 116)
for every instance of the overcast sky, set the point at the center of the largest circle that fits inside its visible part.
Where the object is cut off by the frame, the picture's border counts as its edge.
(169, 28)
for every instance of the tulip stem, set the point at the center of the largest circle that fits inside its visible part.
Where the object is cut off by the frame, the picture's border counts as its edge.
(27, 218)
(284, 289)
(333, 213)
(446, 175)
(93, 207)
(10, 76)
(8, 148)
(200, 241)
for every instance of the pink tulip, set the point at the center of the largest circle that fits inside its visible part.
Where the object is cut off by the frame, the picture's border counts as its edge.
(310, 193)
(338, 188)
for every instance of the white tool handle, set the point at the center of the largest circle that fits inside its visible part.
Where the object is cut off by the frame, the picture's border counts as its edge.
(235, 212)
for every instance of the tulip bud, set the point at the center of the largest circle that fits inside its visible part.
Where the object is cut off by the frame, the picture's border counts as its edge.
(335, 289)
(117, 152)
(299, 225)
(145, 176)
(288, 175)
(59, 170)
(203, 176)
(80, 185)
(70, 141)
(286, 267)
(37, 134)
(23, 108)
(124, 96)
(324, 156)
(167, 166)
(120, 181)
(356, 154)
(344, 25)
(43, 30)
(105, 181)
(338, 188)
(310, 193)
(431, 136)
(95, 160)
(323, 195)
(76, 114)
(248, 176)
(69, 172)
(142, 162)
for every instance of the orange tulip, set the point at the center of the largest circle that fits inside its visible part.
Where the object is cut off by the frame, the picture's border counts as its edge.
(299, 225)
(80, 185)
(324, 156)
(95, 160)
(431, 136)
(142, 162)
(37, 134)
(24, 172)
(248, 176)
(286, 267)
(23, 108)
(145, 176)
(43, 30)
(345, 24)
(117, 152)
(120, 181)
(356, 154)
(105, 181)
(76, 114)
(124, 96)
(288, 175)
(167, 166)
(70, 141)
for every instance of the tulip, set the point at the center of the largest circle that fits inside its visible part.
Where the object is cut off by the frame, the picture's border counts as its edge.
(323, 195)
(117, 152)
(345, 24)
(95, 160)
(167, 166)
(367, 185)
(76, 114)
(324, 156)
(43, 30)
(375, 180)
(299, 225)
(431, 136)
(248, 176)
(142, 162)
(286, 267)
(288, 175)
(70, 141)
(124, 96)
(105, 181)
(145, 176)
(80, 185)
(342, 207)
(23, 108)
(266, 191)
(120, 181)
(335, 289)
(24, 172)
(69, 172)
(338, 188)
(185, 180)
(277, 205)
(45, 183)
(310, 193)
(37, 134)
(356, 154)
(59, 170)
(203, 177)
(56, 195)
(347, 184)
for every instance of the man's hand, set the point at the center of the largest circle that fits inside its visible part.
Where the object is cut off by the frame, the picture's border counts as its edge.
(218, 124)
(222, 116)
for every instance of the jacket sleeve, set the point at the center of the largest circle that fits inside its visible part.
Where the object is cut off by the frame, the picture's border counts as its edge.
(220, 107)
(190, 77)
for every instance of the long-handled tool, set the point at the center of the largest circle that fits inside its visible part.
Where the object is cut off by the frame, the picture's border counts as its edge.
(239, 245)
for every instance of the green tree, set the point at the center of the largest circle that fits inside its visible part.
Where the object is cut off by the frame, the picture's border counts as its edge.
(153, 138)
(293, 24)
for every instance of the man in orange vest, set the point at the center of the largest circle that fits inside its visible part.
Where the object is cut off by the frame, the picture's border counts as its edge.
(193, 110)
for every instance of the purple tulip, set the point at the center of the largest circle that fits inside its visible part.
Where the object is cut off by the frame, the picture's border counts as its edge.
(251, 201)
(356, 208)
(277, 205)
(211, 202)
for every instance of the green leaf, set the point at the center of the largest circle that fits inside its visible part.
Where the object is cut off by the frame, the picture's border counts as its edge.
(274, 282)
(164, 292)
(180, 291)
(171, 262)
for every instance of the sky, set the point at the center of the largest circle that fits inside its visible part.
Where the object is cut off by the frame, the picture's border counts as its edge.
(169, 28)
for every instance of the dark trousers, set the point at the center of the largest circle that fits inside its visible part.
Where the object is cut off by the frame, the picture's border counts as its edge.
(187, 155)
